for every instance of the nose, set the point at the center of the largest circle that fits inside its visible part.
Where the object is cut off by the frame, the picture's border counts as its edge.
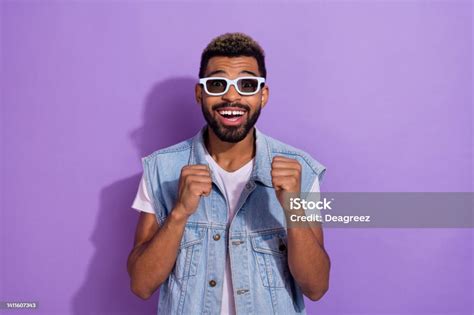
(232, 95)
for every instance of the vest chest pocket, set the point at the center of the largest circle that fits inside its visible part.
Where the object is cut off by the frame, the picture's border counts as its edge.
(270, 251)
(189, 252)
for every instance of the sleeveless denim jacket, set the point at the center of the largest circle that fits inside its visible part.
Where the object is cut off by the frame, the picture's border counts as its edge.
(256, 238)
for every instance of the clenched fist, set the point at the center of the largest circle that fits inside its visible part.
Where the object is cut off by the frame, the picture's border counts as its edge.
(195, 181)
(286, 177)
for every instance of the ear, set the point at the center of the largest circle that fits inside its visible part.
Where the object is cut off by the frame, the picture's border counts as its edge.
(265, 95)
(198, 93)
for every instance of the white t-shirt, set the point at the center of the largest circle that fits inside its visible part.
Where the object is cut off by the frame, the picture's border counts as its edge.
(233, 184)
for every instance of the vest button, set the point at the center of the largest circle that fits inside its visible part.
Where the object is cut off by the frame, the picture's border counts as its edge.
(216, 237)
(212, 283)
(248, 186)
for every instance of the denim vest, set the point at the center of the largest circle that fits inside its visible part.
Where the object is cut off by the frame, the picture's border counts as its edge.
(256, 238)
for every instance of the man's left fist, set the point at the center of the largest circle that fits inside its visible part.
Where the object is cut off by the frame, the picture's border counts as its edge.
(286, 176)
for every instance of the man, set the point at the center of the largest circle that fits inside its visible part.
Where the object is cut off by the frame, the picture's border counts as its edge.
(212, 232)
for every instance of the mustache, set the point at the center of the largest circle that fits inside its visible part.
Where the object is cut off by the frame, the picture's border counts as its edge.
(227, 104)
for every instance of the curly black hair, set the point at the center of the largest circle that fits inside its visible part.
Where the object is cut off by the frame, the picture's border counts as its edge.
(233, 45)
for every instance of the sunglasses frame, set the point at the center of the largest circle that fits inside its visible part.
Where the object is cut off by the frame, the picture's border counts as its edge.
(230, 82)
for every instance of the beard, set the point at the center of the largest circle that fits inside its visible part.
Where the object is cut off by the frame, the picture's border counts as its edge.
(231, 134)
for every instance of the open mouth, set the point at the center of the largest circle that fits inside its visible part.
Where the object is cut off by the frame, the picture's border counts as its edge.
(232, 115)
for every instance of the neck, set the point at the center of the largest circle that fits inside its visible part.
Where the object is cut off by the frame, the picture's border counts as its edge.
(230, 156)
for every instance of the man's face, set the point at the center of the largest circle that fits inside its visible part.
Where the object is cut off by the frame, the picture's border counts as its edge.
(216, 109)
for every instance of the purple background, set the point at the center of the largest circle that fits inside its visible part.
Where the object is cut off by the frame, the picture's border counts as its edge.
(378, 91)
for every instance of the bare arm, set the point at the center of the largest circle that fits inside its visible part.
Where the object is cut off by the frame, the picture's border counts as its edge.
(154, 253)
(308, 261)
(155, 248)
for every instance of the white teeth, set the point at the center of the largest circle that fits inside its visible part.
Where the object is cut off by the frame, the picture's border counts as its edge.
(232, 112)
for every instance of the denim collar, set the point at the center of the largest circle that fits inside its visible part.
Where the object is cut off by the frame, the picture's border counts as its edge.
(263, 161)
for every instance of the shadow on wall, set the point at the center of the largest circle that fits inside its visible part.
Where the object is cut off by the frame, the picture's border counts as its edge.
(171, 115)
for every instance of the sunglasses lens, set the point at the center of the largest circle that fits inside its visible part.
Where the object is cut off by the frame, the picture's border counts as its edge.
(216, 85)
(248, 85)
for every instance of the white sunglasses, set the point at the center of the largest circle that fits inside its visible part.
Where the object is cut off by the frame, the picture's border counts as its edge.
(216, 86)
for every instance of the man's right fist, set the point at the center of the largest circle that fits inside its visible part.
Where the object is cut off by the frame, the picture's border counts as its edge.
(194, 182)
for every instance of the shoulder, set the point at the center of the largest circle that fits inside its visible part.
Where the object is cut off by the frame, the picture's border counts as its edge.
(277, 147)
(184, 145)
(172, 152)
